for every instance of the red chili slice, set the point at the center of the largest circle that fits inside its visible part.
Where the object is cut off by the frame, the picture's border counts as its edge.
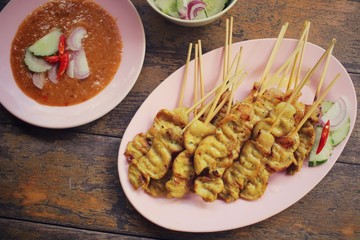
(62, 45)
(324, 136)
(64, 62)
(52, 59)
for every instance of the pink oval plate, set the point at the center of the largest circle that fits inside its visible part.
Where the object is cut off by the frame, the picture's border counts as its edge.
(192, 214)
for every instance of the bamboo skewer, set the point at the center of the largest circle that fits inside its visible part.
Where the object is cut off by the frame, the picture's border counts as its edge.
(202, 111)
(315, 104)
(284, 76)
(230, 40)
(283, 67)
(222, 89)
(216, 89)
(290, 100)
(226, 51)
(273, 54)
(219, 106)
(295, 71)
(307, 30)
(180, 104)
(201, 70)
(322, 77)
(196, 75)
(302, 84)
(237, 70)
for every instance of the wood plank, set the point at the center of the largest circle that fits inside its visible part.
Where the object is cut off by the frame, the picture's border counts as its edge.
(71, 180)
(15, 229)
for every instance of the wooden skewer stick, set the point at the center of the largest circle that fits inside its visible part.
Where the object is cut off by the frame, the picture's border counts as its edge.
(222, 89)
(273, 54)
(224, 85)
(230, 40)
(201, 71)
(219, 106)
(226, 51)
(232, 92)
(238, 69)
(290, 100)
(281, 82)
(323, 74)
(315, 105)
(196, 75)
(307, 29)
(283, 67)
(302, 40)
(200, 113)
(180, 104)
(302, 84)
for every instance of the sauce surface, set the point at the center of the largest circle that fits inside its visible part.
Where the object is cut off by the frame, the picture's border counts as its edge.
(102, 46)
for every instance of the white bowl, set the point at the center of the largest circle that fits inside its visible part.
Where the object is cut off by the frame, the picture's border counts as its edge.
(192, 23)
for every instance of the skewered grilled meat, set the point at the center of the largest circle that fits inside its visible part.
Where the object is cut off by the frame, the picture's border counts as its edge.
(307, 138)
(248, 174)
(164, 119)
(137, 148)
(208, 187)
(182, 175)
(157, 160)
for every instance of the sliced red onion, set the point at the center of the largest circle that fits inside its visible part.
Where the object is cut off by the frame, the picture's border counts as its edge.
(52, 73)
(74, 41)
(39, 80)
(81, 66)
(194, 7)
(337, 114)
(70, 71)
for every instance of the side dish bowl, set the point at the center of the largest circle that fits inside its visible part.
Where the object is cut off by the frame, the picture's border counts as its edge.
(193, 23)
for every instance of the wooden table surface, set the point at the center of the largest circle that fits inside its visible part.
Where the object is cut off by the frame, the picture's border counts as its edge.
(64, 184)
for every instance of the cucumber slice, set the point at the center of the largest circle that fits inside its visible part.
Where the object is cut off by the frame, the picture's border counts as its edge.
(340, 133)
(214, 6)
(323, 156)
(36, 64)
(200, 15)
(47, 45)
(325, 106)
(169, 7)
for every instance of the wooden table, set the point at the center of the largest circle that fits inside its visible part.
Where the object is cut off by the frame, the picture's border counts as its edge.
(64, 184)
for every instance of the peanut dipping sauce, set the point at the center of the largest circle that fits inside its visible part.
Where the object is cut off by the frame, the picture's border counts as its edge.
(102, 46)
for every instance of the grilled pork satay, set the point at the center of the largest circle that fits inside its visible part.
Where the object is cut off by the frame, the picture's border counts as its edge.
(307, 138)
(216, 153)
(164, 119)
(137, 147)
(182, 176)
(244, 175)
(157, 160)
(233, 130)
(208, 188)
(183, 171)
(282, 151)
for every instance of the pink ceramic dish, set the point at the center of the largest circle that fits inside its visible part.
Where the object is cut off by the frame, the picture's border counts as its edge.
(14, 100)
(192, 214)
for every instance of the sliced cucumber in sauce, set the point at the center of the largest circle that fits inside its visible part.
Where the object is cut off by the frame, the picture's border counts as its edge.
(213, 7)
(324, 155)
(168, 7)
(34, 63)
(47, 45)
